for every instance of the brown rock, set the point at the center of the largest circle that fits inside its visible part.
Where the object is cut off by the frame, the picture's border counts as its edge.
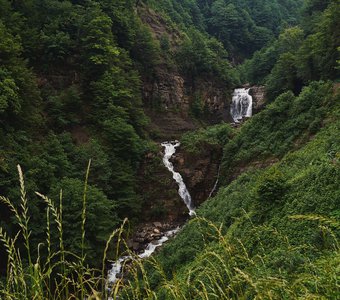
(259, 97)
(136, 246)
(157, 224)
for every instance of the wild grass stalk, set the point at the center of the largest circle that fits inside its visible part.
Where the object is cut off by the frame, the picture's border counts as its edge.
(57, 274)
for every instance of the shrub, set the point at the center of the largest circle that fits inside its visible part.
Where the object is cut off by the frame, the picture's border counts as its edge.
(271, 186)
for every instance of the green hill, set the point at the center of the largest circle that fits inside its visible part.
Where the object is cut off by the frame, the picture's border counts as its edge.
(95, 85)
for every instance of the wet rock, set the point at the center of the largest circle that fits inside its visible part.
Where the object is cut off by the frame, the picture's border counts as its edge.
(139, 240)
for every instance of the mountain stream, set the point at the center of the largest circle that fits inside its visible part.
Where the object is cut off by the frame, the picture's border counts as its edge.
(117, 267)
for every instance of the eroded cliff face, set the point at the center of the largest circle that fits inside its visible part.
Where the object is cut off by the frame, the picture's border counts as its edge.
(170, 95)
(199, 170)
(170, 101)
(161, 201)
(259, 97)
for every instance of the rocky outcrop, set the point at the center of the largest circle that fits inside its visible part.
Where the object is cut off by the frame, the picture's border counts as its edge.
(159, 191)
(215, 97)
(165, 91)
(259, 97)
(148, 233)
(199, 171)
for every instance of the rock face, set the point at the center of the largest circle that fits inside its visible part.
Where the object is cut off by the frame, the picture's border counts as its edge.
(259, 97)
(169, 100)
(170, 95)
(165, 90)
(149, 233)
(161, 201)
(199, 171)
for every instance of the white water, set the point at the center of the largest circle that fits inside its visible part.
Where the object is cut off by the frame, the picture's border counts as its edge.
(216, 182)
(117, 267)
(170, 149)
(242, 105)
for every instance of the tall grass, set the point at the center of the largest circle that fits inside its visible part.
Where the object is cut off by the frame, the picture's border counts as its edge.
(60, 274)
(226, 269)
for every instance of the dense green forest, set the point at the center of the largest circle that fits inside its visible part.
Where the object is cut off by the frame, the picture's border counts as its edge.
(72, 77)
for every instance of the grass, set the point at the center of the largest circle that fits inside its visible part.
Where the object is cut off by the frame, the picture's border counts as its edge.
(50, 273)
(226, 269)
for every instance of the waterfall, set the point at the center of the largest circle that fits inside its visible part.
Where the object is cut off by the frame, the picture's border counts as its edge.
(117, 267)
(170, 149)
(216, 182)
(242, 104)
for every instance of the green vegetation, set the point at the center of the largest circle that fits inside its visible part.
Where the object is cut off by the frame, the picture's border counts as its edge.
(70, 92)
(55, 270)
(284, 125)
(242, 26)
(272, 232)
(301, 54)
(73, 75)
(212, 135)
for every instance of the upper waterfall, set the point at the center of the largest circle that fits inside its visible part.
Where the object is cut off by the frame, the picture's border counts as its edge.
(242, 104)
(170, 149)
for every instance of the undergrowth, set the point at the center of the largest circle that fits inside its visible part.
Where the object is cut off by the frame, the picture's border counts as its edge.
(226, 269)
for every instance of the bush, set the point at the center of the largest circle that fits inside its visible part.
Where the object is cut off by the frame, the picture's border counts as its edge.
(271, 186)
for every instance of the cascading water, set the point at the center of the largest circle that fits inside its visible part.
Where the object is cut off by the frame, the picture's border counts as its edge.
(117, 267)
(242, 104)
(216, 182)
(170, 149)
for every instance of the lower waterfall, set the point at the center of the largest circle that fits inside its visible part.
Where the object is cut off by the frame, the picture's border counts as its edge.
(117, 267)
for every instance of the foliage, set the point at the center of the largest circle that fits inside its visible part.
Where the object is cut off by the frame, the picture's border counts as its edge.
(242, 26)
(288, 121)
(70, 90)
(300, 54)
(217, 135)
(243, 245)
(53, 270)
(271, 186)
(199, 54)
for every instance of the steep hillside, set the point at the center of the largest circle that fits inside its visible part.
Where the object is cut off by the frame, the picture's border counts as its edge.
(273, 231)
(89, 89)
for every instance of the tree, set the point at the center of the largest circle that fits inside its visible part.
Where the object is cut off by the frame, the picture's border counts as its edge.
(101, 218)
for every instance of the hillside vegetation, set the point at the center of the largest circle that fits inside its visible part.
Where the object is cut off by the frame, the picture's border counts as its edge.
(272, 230)
(73, 109)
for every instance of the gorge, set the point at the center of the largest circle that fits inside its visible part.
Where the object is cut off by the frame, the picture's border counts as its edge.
(122, 121)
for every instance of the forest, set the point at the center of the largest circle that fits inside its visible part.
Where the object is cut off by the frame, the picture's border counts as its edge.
(84, 93)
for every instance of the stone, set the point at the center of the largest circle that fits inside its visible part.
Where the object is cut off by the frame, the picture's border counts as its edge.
(135, 246)
(259, 97)
(139, 240)
(157, 224)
